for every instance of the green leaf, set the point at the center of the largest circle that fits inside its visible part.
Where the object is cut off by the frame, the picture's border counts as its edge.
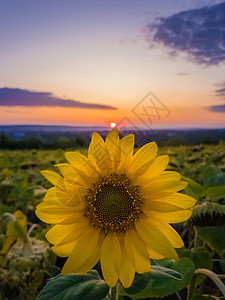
(213, 236)
(212, 176)
(201, 258)
(161, 288)
(194, 189)
(216, 192)
(79, 287)
(157, 272)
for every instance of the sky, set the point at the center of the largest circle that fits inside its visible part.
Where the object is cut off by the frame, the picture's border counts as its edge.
(149, 63)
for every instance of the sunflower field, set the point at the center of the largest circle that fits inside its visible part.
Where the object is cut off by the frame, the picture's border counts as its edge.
(29, 269)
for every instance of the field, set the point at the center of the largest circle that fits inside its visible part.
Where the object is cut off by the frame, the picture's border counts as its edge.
(27, 261)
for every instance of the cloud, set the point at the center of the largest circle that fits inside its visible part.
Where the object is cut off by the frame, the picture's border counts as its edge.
(220, 92)
(18, 97)
(217, 108)
(199, 33)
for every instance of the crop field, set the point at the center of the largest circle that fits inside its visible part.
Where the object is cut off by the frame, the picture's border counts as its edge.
(26, 259)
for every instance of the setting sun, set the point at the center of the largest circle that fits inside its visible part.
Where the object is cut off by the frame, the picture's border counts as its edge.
(112, 125)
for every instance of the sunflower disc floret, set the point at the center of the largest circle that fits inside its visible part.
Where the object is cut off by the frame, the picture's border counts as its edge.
(115, 207)
(113, 204)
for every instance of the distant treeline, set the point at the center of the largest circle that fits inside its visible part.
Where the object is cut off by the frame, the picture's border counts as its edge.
(32, 142)
(65, 140)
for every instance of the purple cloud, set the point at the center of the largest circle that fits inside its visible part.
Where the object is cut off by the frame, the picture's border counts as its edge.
(217, 108)
(220, 92)
(18, 97)
(199, 33)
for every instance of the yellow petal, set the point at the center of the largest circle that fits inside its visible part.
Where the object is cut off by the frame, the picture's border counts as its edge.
(72, 197)
(77, 217)
(79, 161)
(64, 250)
(127, 149)
(171, 234)
(144, 154)
(137, 251)
(51, 195)
(78, 229)
(112, 143)
(57, 233)
(92, 259)
(170, 176)
(127, 271)
(155, 239)
(162, 188)
(155, 168)
(110, 258)
(75, 177)
(159, 206)
(154, 255)
(127, 146)
(169, 217)
(99, 154)
(136, 173)
(177, 199)
(54, 178)
(83, 249)
(55, 213)
(63, 234)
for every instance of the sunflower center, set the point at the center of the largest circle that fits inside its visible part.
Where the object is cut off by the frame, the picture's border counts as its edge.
(113, 203)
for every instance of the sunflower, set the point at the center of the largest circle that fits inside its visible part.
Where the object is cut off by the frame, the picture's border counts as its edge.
(114, 207)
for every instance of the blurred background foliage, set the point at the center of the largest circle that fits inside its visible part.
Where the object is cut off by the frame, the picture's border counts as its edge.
(25, 256)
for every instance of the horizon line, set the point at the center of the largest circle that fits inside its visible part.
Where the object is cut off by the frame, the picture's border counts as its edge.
(108, 128)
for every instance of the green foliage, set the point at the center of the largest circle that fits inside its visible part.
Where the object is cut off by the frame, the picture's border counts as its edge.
(23, 187)
(16, 228)
(32, 142)
(168, 286)
(208, 214)
(157, 272)
(212, 176)
(216, 192)
(79, 287)
(201, 258)
(25, 262)
(194, 189)
(214, 237)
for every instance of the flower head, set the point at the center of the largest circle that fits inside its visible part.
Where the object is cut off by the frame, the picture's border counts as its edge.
(116, 207)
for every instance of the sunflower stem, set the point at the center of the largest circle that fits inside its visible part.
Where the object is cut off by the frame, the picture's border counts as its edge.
(213, 276)
(115, 292)
(195, 237)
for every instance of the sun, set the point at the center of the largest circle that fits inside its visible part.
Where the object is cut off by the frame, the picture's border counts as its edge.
(112, 125)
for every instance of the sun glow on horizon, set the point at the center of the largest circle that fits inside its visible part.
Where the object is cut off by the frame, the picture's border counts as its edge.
(112, 125)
